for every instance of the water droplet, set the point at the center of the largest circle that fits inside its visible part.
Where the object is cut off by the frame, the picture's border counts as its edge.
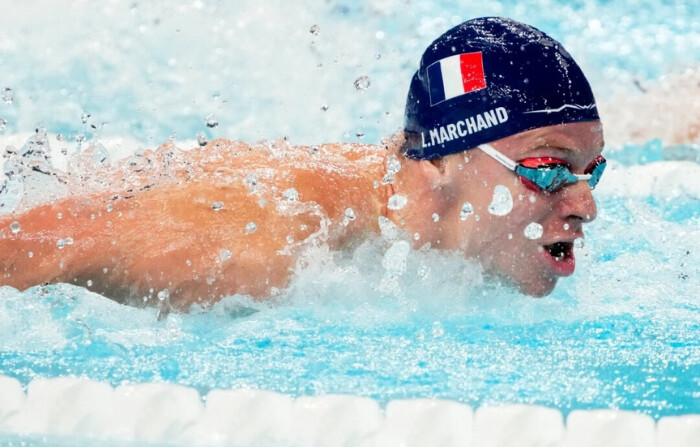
(416, 236)
(315, 30)
(68, 241)
(566, 226)
(532, 198)
(397, 202)
(533, 231)
(467, 210)
(217, 206)
(188, 262)
(289, 239)
(291, 195)
(30, 254)
(3, 123)
(224, 255)
(350, 213)
(59, 216)
(436, 217)
(109, 208)
(60, 244)
(7, 95)
(201, 139)
(510, 236)
(15, 227)
(163, 295)
(325, 107)
(251, 228)
(502, 202)
(251, 182)
(89, 283)
(211, 121)
(393, 165)
(362, 83)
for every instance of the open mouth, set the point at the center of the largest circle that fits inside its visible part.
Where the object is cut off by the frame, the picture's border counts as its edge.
(560, 250)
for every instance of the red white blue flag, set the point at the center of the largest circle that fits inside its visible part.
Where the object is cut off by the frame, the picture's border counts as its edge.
(455, 75)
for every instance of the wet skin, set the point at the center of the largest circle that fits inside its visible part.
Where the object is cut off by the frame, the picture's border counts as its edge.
(499, 242)
(168, 235)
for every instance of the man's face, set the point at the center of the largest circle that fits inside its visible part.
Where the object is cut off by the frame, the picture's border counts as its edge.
(531, 244)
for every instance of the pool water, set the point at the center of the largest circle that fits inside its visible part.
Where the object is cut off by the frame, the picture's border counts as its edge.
(376, 321)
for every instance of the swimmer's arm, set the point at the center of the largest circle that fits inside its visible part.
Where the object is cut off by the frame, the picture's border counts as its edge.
(168, 237)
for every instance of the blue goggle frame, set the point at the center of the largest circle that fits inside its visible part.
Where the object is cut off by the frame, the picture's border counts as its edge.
(549, 177)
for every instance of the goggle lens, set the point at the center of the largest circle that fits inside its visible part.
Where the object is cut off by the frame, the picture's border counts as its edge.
(550, 175)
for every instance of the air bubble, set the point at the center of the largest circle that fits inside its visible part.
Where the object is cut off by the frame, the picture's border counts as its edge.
(3, 123)
(30, 254)
(533, 231)
(289, 239)
(436, 217)
(211, 121)
(291, 195)
(397, 202)
(217, 206)
(579, 244)
(350, 213)
(8, 95)
(362, 83)
(89, 283)
(201, 139)
(15, 227)
(315, 30)
(60, 244)
(251, 228)
(467, 210)
(502, 202)
(109, 208)
(59, 216)
(566, 226)
(68, 241)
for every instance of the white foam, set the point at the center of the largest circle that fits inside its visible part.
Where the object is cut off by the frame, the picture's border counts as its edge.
(662, 179)
(82, 409)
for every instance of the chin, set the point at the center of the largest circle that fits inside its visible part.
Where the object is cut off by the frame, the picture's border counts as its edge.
(539, 288)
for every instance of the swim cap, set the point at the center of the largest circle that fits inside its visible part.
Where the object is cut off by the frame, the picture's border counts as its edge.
(489, 78)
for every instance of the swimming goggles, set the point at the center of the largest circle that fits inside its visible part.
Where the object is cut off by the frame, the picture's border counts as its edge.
(548, 174)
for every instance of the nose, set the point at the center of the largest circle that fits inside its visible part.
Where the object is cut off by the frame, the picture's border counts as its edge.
(577, 202)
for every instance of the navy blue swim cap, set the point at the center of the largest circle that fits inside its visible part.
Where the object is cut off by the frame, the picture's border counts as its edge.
(487, 79)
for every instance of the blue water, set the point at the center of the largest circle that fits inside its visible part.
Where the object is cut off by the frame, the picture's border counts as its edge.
(624, 332)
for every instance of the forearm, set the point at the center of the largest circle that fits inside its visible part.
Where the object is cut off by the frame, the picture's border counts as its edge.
(51, 243)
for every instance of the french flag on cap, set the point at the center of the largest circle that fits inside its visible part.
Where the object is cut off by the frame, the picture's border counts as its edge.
(455, 75)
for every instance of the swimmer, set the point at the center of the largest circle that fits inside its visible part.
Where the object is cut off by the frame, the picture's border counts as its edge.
(499, 154)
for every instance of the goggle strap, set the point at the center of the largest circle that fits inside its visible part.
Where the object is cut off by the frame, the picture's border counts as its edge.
(499, 157)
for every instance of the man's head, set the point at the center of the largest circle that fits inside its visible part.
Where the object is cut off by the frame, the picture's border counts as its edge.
(514, 91)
